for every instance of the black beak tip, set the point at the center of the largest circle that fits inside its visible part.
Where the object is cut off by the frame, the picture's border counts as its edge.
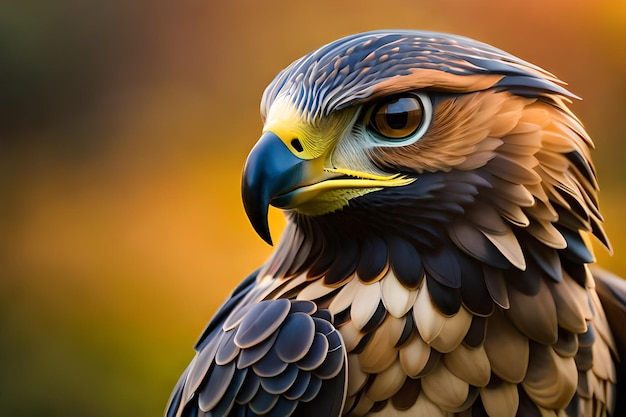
(271, 170)
(261, 226)
(257, 213)
(265, 235)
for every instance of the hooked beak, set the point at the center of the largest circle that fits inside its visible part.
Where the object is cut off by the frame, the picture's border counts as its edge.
(270, 171)
(275, 175)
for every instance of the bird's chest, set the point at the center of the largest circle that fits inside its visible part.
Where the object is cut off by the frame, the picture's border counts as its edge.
(405, 357)
(399, 346)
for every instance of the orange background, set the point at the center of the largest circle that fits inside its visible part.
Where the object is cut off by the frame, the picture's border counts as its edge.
(123, 129)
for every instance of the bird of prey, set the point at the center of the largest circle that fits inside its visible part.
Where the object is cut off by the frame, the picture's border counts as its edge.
(439, 196)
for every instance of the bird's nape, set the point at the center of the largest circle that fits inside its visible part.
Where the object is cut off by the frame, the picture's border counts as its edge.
(439, 193)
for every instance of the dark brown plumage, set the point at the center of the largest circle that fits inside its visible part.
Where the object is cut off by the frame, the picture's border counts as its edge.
(439, 195)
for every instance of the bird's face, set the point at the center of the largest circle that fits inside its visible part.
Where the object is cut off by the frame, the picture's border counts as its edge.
(382, 110)
(333, 154)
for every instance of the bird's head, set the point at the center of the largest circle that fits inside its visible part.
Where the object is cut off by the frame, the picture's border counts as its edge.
(422, 133)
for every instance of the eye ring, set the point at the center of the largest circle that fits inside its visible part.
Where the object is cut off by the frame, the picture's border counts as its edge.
(400, 120)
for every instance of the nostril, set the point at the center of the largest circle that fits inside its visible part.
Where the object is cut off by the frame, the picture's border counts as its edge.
(297, 145)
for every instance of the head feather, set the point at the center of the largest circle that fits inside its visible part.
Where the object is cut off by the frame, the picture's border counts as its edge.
(360, 67)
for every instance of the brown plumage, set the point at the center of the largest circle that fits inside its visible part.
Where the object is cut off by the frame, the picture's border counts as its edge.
(439, 195)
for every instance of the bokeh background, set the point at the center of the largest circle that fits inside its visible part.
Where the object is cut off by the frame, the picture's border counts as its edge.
(123, 129)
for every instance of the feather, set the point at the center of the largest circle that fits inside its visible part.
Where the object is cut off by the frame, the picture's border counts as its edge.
(535, 316)
(380, 351)
(527, 407)
(290, 288)
(387, 383)
(405, 262)
(316, 290)
(343, 266)
(428, 320)
(248, 389)
(362, 405)
(298, 387)
(447, 300)
(295, 337)
(315, 384)
(227, 401)
(262, 320)
(602, 362)
(334, 362)
(324, 314)
(414, 356)
(396, 298)
(486, 218)
(281, 260)
(500, 399)
(510, 211)
(507, 349)
(471, 365)
(444, 388)
(572, 305)
(496, 286)
(516, 171)
(365, 303)
(453, 331)
(443, 266)
(476, 333)
(281, 382)
(425, 407)
(551, 379)
(474, 293)
(407, 330)
(344, 298)
(547, 260)
(249, 357)
(262, 402)
(527, 282)
(226, 309)
(357, 378)
(237, 315)
(407, 394)
(509, 246)
(567, 344)
(316, 353)
(514, 192)
(303, 306)
(199, 367)
(331, 395)
(476, 245)
(351, 335)
(282, 408)
(373, 260)
(583, 166)
(577, 250)
(300, 260)
(543, 208)
(325, 259)
(227, 350)
(216, 386)
(269, 365)
(377, 318)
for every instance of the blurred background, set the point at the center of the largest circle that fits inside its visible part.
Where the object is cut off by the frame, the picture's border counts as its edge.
(123, 129)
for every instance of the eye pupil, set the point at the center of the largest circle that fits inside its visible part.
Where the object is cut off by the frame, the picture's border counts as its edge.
(297, 145)
(398, 117)
(396, 120)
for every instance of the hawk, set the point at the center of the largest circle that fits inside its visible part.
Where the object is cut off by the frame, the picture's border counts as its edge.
(439, 196)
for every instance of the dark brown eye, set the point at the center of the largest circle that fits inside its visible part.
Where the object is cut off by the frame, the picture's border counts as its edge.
(398, 118)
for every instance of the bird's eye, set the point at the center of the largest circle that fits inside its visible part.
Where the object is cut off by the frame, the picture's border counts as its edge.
(399, 118)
